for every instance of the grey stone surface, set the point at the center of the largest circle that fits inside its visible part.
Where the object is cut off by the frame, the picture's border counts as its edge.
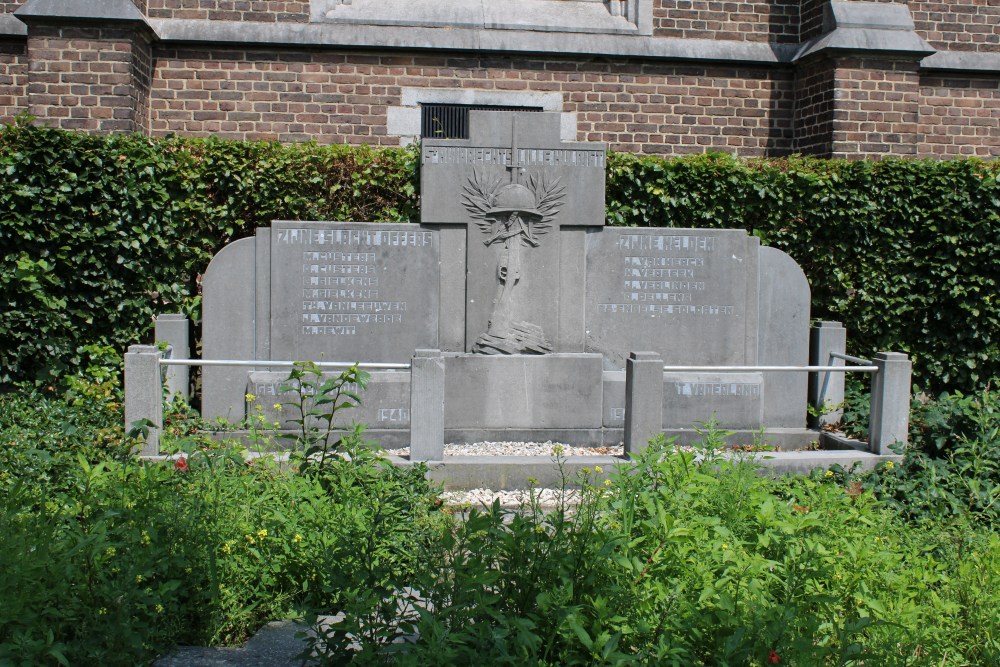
(987, 63)
(554, 391)
(385, 404)
(826, 389)
(514, 184)
(144, 393)
(228, 328)
(889, 417)
(643, 400)
(352, 291)
(174, 330)
(463, 39)
(867, 27)
(404, 120)
(91, 10)
(783, 339)
(274, 645)
(505, 148)
(537, 15)
(10, 26)
(687, 294)
(734, 400)
(427, 401)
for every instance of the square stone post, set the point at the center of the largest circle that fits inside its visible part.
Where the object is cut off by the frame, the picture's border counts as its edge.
(643, 400)
(173, 329)
(144, 393)
(826, 388)
(427, 406)
(889, 421)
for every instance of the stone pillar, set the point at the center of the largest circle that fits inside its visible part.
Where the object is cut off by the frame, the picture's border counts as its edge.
(90, 64)
(173, 329)
(826, 389)
(643, 400)
(144, 393)
(427, 406)
(889, 421)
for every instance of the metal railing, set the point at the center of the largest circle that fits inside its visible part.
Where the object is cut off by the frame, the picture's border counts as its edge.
(770, 369)
(259, 363)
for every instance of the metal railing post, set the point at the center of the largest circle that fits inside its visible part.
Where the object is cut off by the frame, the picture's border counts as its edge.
(144, 393)
(889, 420)
(173, 329)
(643, 400)
(826, 388)
(427, 406)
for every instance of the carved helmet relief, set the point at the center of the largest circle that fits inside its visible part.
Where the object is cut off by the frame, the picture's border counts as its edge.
(512, 216)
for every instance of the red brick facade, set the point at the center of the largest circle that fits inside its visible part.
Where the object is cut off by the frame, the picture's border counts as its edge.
(88, 78)
(123, 77)
(13, 80)
(338, 98)
(968, 25)
(876, 107)
(959, 116)
(776, 21)
(266, 11)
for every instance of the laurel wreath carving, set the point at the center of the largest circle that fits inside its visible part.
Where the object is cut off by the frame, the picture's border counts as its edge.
(479, 196)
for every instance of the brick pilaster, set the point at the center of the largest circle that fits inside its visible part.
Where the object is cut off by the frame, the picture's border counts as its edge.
(87, 77)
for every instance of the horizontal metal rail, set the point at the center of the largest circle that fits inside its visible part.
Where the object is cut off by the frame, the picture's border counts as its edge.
(853, 360)
(277, 364)
(777, 369)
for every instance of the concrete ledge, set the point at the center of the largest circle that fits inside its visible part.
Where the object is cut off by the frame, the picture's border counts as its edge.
(462, 473)
(982, 63)
(466, 39)
(10, 26)
(74, 10)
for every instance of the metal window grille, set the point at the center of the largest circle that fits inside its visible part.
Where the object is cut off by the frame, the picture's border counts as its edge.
(451, 121)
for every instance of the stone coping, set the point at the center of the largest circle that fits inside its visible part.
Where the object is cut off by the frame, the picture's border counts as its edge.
(847, 38)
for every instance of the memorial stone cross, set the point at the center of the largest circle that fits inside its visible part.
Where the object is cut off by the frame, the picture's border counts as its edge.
(518, 190)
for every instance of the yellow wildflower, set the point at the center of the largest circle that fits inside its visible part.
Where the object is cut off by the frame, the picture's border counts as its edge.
(598, 469)
(138, 578)
(250, 398)
(159, 608)
(297, 538)
(262, 533)
(227, 548)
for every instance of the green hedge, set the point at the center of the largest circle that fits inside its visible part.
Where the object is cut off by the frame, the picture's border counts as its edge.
(101, 233)
(903, 252)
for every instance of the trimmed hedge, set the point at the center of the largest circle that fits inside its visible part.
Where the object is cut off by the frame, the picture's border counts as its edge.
(101, 233)
(906, 253)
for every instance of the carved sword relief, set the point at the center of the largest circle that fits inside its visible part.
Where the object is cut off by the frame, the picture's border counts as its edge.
(514, 217)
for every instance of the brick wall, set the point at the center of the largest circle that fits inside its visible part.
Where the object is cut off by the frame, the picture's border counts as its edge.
(268, 11)
(13, 80)
(877, 107)
(89, 78)
(760, 21)
(965, 25)
(343, 98)
(959, 116)
(814, 100)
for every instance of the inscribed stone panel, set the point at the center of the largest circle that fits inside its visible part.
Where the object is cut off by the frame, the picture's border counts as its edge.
(353, 291)
(688, 294)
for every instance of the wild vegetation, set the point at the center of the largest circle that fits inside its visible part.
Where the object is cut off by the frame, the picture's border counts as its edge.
(685, 558)
(680, 559)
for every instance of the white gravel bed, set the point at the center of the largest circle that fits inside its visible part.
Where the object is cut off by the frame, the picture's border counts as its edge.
(517, 449)
(480, 498)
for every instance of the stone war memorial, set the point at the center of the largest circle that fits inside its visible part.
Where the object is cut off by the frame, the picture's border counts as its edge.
(512, 312)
